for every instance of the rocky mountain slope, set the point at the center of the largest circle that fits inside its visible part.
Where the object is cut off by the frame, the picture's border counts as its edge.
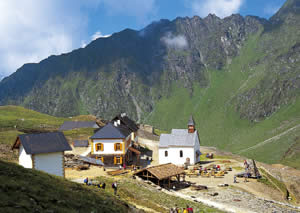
(239, 77)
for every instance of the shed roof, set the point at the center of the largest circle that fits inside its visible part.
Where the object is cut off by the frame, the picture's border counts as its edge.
(111, 131)
(81, 143)
(163, 171)
(91, 160)
(43, 142)
(69, 125)
(178, 137)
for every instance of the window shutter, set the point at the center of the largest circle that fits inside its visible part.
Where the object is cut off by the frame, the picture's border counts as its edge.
(115, 160)
(102, 147)
(121, 146)
(121, 159)
(115, 145)
(102, 159)
(96, 147)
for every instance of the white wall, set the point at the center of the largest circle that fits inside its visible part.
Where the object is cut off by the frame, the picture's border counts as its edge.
(108, 146)
(51, 163)
(174, 155)
(24, 159)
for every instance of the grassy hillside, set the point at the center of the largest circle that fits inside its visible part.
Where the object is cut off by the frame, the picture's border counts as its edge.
(16, 120)
(25, 190)
(215, 111)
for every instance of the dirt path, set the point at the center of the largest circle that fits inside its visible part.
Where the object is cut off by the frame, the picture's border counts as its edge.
(270, 140)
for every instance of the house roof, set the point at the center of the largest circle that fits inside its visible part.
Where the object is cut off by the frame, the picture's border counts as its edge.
(178, 137)
(163, 171)
(191, 121)
(91, 160)
(111, 131)
(69, 125)
(126, 121)
(43, 142)
(81, 143)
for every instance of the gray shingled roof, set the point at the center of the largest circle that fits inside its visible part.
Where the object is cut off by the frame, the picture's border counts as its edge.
(111, 131)
(191, 121)
(81, 143)
(69, 125)
(44, 142)
(178, 137)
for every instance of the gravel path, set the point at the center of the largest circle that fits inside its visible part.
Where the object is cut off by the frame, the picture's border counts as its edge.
(234, 200)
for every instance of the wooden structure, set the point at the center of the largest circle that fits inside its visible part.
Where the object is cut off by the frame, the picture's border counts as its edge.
(162, 175)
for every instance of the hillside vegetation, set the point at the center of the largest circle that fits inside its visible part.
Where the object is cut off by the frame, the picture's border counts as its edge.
(26, 190)
(16, 120)
(238, 77)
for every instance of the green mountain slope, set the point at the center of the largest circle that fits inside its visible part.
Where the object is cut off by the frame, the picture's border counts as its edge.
(26, 190)
(238, 76)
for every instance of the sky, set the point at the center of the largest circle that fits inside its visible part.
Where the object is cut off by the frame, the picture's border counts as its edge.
(32, 30)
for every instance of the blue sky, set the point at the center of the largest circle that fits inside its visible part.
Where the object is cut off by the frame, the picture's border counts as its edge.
(31, 30)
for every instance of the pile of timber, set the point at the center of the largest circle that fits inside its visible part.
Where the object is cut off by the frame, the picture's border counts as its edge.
(72, 161)
(117, 172)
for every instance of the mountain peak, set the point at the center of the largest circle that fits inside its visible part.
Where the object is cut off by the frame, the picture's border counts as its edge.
(290, 7)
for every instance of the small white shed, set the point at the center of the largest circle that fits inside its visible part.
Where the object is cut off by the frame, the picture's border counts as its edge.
(43, 151)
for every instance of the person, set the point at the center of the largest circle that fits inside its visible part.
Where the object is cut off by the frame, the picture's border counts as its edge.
(103, 186)
(245, 176)
(177, 210)
(115, 187)
(184, 210)
(189, 209)
(234, 179)
(86, 180)
(218, 168)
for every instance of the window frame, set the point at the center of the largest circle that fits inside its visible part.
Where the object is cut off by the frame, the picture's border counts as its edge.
(181, 154)
(99, 147)
(166, 153)
(118, 147)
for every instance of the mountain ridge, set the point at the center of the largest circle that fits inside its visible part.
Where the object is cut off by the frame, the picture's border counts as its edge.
(238, 76)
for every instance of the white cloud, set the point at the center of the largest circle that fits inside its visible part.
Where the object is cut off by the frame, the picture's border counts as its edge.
(142, 10)
(221, 8)
(31, 30)
(98, 34)
(172, 41)
(95, 36)
(271, 9)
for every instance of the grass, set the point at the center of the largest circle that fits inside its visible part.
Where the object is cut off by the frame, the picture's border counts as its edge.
(144, 195)
(9, 137)
(16, 117)
(26, 190)
(79, 133)
(272, 181)
(217, 120)
(159, 131)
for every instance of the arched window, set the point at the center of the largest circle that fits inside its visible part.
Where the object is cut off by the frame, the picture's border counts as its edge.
(181, 153)
(99, 147)
(166, 153)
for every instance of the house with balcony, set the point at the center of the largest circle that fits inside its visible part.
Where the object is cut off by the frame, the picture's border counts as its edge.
(113, 144)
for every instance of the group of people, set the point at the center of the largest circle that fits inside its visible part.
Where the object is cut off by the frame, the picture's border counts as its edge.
(90, 182)
(183, 210)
